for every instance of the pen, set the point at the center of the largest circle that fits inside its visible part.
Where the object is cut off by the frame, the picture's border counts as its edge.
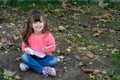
(49, 46)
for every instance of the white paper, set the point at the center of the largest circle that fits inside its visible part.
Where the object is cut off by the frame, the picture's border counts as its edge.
(38, 54)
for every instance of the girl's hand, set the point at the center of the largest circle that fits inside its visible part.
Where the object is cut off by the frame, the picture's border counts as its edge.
(28, 52)
(45, 49)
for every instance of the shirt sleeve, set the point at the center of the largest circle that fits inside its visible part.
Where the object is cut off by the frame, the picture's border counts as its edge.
(23, 46)
(51, 42)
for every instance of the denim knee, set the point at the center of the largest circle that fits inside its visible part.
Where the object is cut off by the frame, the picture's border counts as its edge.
(25, 57)
(54, 62)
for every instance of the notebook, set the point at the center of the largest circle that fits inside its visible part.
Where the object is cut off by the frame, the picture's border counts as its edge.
(38, 54)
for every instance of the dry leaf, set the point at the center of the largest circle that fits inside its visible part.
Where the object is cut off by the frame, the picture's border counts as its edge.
(106, 16)
(97, 25)
(96, 34)
(69, 48)
(90, 62)
(3, 32)
(97, 51)
(91, 47)
(100, 30)
(95, 29)
(102, 4)
(112, 31)
(84, 58)
(1, 43)
(1, 27)
(87, 70)
(91, 76)
(16, 37)
(96, 17)
(89, 55)
(61, 28)
(79, 35)
(8, 72)
(64, 4)
(96, 71)
(17, 58)
(78, 57)
(115, 50)
(60, 58)
(3, 40)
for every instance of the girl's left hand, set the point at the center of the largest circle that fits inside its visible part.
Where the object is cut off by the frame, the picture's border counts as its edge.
(45, 49)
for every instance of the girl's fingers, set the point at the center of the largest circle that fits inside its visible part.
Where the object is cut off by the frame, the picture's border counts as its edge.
(45, 49)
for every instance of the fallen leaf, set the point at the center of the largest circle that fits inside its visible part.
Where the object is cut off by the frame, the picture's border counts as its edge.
(104, 72)
(97, 25)
(78, 57)
(95, 29)
(58, 51)
(90, 62)
(87, 70)
(90, 55)
(97, 51)
(8, 72)
(3, 32)
(60, 58)
(64, 4)
(96, 34)
(91, 47)
(3, 40)
(79, 64)
(1, 27)
(96, 71)
(106, 16)
(1, 44)
(17, 77)
(91, 76)
(115, 50)
(17, 58)
(84, 58)
(61, 28)
(79, 35)
(96, 17)
(69, 48)
(107, 77)
(81, 49)
(100, 30)
(16, 37)
(102, 4)
(103, 20)
(112, 31)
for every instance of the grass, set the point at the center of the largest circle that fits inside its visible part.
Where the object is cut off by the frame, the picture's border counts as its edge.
(26, 5)
(116, 57)
(1, 74)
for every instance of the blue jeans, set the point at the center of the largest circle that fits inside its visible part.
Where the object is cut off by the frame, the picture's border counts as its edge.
(38, 64)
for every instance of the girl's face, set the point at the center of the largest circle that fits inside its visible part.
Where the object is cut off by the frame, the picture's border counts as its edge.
(38, 26)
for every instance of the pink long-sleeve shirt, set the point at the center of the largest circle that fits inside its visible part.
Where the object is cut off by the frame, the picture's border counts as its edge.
(37, 43)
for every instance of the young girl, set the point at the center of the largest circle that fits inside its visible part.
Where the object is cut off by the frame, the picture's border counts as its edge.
(37, 38)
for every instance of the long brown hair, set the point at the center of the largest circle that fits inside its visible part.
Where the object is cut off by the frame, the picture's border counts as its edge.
(34, 15)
